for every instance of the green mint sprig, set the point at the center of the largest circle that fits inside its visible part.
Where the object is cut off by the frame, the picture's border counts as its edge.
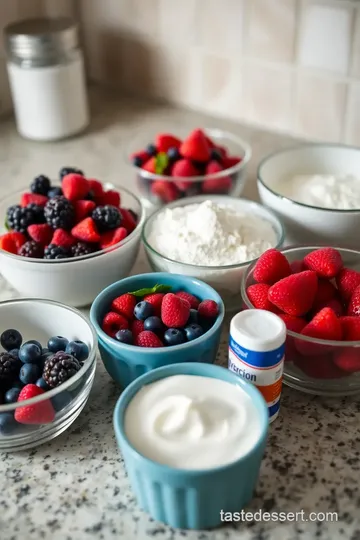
(161, 162)
(158, 288)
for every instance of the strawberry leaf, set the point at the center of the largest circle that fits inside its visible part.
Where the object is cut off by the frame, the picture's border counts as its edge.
(161, 162)
(158, 288)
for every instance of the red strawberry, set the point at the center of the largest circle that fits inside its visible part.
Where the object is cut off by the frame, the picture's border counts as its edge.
(111, 197)
(174, 311)
(150, 165)
(96, 187)
(258, 296)
(12, 242)
(294, 324)
(297, 266)
(348, 359)
(165, 190)
(193, 301)
(83, 209)
(351, 328)
(113, 322)
(210, 142)
(40, 413)
(86, 231)
(325, 292)
(324, 325)
(222, 150)
(196, 147)
(319, 367)
(124, 305)
(40, 233)
(142, 155)
(75, 186)
(217, 185)
(231, 161)
(33, 198)
(294, 294)
(165, 141)
(347, 280)
(63, 238)
(111, 238)
(354, 304)
(333, 304)
(326, 262)
(128, 220)
(155, 300)
(183, 168)
(148, 339)
(136, 328)
(271, 267)
(213, 167)
(208, 309)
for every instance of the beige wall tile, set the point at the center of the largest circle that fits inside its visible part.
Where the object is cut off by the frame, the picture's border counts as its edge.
(220, 25)
(320, 107)
(271, 29)
(177, 22)
(356, 46)
(267, 96)
(353, 116)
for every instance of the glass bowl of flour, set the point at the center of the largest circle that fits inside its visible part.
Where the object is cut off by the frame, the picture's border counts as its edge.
(213, 238)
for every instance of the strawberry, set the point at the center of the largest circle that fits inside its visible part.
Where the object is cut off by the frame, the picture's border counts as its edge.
(294, 294)
(193, 301)
(111, 238)
(75, 186)
(271, 266)
(155, 300)
(231, 161)
(40, 413)
(165, 141)
(208, 309)
(297, 266)
(347, 280)
(217, 185)
(324, 325)
(213, 167)
(258, 296)
(83, 209)
(86, 231)
(294, 324)
(183, 168)
(326, 262)
(136, 328)
(196, 147)
(140, 157)
(128, 220)
(40, 233)
(124, 305)
(326, 291)
(210, 142)
(174, 311)
(111, 197)
(146, 338)
(334, 304)
(12, 242)
(96, 187)
(165, 190)
(348, 359)
(150, 165)
(63, 238)
(319, 367)
(113, 322)
(351, 328)
(33, 198)
(354, 304)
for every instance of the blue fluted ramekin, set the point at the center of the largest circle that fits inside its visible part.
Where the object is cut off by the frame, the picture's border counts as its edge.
(191, 499)
(125, 363)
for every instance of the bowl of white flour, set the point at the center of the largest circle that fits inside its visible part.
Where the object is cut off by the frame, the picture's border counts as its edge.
(213, 238)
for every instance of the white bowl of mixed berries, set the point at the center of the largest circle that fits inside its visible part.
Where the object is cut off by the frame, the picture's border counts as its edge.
(67, 242)
(202, 162)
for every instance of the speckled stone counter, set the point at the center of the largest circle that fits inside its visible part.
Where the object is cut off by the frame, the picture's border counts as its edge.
(75, 487)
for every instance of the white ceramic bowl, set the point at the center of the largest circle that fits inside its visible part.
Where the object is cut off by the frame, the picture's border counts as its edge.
(226, 280)
(309, 224)
(41, 319)
(73, 281)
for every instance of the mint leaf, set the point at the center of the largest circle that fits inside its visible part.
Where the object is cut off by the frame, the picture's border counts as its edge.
(161, 162)
(6, 225)
(158, 288)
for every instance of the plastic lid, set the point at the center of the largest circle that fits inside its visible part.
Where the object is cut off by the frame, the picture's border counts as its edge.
(258, 330)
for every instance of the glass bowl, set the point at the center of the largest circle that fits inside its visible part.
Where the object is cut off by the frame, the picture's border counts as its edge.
(313, 370)
(233, 178)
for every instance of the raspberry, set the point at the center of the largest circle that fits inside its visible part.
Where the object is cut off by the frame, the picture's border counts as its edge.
(174, 311)
(193, 301)
(148, 339)
(40, 185)
(19, 219)
(59, 368)
(59, 213)
(55, 252)
(31, 249)
(208, 309)
(155, 300)
(81, 248)
(106, 218)
(125, 305)
(113, 322)
(136, 328)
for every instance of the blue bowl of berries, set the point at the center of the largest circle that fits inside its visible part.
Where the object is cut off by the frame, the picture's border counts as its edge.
(47, 368)
(202, 162)
(68, 242)
(152, 320)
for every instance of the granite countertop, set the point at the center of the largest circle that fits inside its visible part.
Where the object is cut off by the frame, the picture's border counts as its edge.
(75, 487)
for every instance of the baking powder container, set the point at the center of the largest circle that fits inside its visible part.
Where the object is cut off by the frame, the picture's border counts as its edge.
(256, 353)
(46, 72)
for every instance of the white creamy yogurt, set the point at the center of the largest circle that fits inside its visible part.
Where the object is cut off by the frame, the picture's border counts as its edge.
(325, 191)
(192, 422)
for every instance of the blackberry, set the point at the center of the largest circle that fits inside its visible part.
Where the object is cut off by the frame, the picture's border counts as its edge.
(40, 185)
(9, 367)
(59, 213)
(68, 170)
(52, 251)
(81, 248)
(31, 249)
(38, 212)
(19, 219)
(59, 368)
(106, 217)
(54, 192)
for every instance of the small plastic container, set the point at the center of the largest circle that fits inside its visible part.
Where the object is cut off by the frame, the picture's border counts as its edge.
(256, 353)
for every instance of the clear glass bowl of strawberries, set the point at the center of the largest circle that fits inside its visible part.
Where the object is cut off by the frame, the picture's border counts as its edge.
(316, 291)
(172, 166)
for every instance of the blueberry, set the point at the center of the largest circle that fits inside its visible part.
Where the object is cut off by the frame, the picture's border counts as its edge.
(11, 396)
(42, 384)
(57, 343)
(35, 341)
(174, 336)
(54, 192)
(137, 161)
(173, 154)
(193, 317)
(11, 339)
(78, 349)
(29, 373)
(60, 401)
(30, 353)
(43, 358)
(154, 324)
(151, 150)
(216, 154)
(143, 310)
(8, 423)
(124, 336)
(193, 331)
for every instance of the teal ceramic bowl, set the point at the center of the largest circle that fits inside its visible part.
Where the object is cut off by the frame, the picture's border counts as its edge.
(191, 499)
(125, 363)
